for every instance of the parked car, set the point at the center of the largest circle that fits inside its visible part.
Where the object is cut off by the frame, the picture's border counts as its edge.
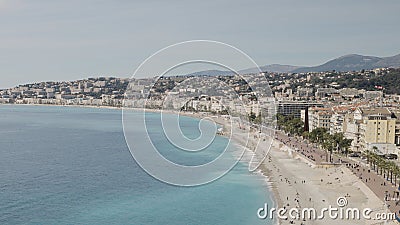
(355, 154)
(391, 156)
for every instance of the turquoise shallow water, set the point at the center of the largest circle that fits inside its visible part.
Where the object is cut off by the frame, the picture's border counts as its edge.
(65, 165)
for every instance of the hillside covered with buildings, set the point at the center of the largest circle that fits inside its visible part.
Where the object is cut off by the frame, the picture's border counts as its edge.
(363, 105)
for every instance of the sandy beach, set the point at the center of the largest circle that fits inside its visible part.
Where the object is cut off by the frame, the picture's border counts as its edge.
(292, 177)
(296, 182)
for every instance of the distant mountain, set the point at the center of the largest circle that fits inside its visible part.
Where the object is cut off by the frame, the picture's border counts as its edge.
(271, 68)
(353, 62)
(212, 73)
(393, 61)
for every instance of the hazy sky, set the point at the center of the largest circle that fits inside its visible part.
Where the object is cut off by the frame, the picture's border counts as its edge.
(66, 40)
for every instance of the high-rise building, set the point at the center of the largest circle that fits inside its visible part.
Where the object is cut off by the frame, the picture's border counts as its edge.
(289, 108)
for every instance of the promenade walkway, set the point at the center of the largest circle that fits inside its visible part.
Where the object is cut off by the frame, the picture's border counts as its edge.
(377, 183)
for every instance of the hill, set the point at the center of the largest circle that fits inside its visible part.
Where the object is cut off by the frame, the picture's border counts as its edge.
(270, 68)
(353, 62)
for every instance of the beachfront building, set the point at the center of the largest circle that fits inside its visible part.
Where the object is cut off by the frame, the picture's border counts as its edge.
(216, 104)
(338, 117)
(351, 130)
(319, 117)
(396, 114)
(372, 129)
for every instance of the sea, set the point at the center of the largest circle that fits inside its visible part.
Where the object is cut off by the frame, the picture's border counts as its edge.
(72, 165)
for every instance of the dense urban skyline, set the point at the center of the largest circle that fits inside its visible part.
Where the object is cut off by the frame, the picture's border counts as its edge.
(47, 40)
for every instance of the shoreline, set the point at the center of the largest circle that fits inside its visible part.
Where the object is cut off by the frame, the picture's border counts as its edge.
(296, 183)
(292, 180)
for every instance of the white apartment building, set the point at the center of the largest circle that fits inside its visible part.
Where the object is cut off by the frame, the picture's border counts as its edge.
(319, 117)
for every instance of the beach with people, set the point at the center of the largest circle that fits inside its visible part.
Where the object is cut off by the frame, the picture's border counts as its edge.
(299, 178)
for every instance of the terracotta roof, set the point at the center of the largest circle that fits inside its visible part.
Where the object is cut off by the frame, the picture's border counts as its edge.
(319, 109)
(375, 111)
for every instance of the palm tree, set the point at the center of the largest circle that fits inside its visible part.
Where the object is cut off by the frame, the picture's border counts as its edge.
(386, 169)
(328, 144)
(374, 160)
(396, 175)
(280, 120)
(345, 144)
(341, 143)
(369, 155)
(389, 172)
(306, 135)
(312, 136)
(377, 162)
(393, 170)
(381, 164)
(321, 133)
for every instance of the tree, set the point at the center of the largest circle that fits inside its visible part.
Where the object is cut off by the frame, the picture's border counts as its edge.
(258, 119)
(392, 167)
(252, 116)
(342, 143)
(312, 137)
(369, 156)
(381, 165)
(289, 124)
(318, 134)
(329, 145)
(396, 175)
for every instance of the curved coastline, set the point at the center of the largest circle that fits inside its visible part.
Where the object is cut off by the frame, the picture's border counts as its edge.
(219, 120)
(284, 172)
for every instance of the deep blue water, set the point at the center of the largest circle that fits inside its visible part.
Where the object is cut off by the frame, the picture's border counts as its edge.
(65, 165)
